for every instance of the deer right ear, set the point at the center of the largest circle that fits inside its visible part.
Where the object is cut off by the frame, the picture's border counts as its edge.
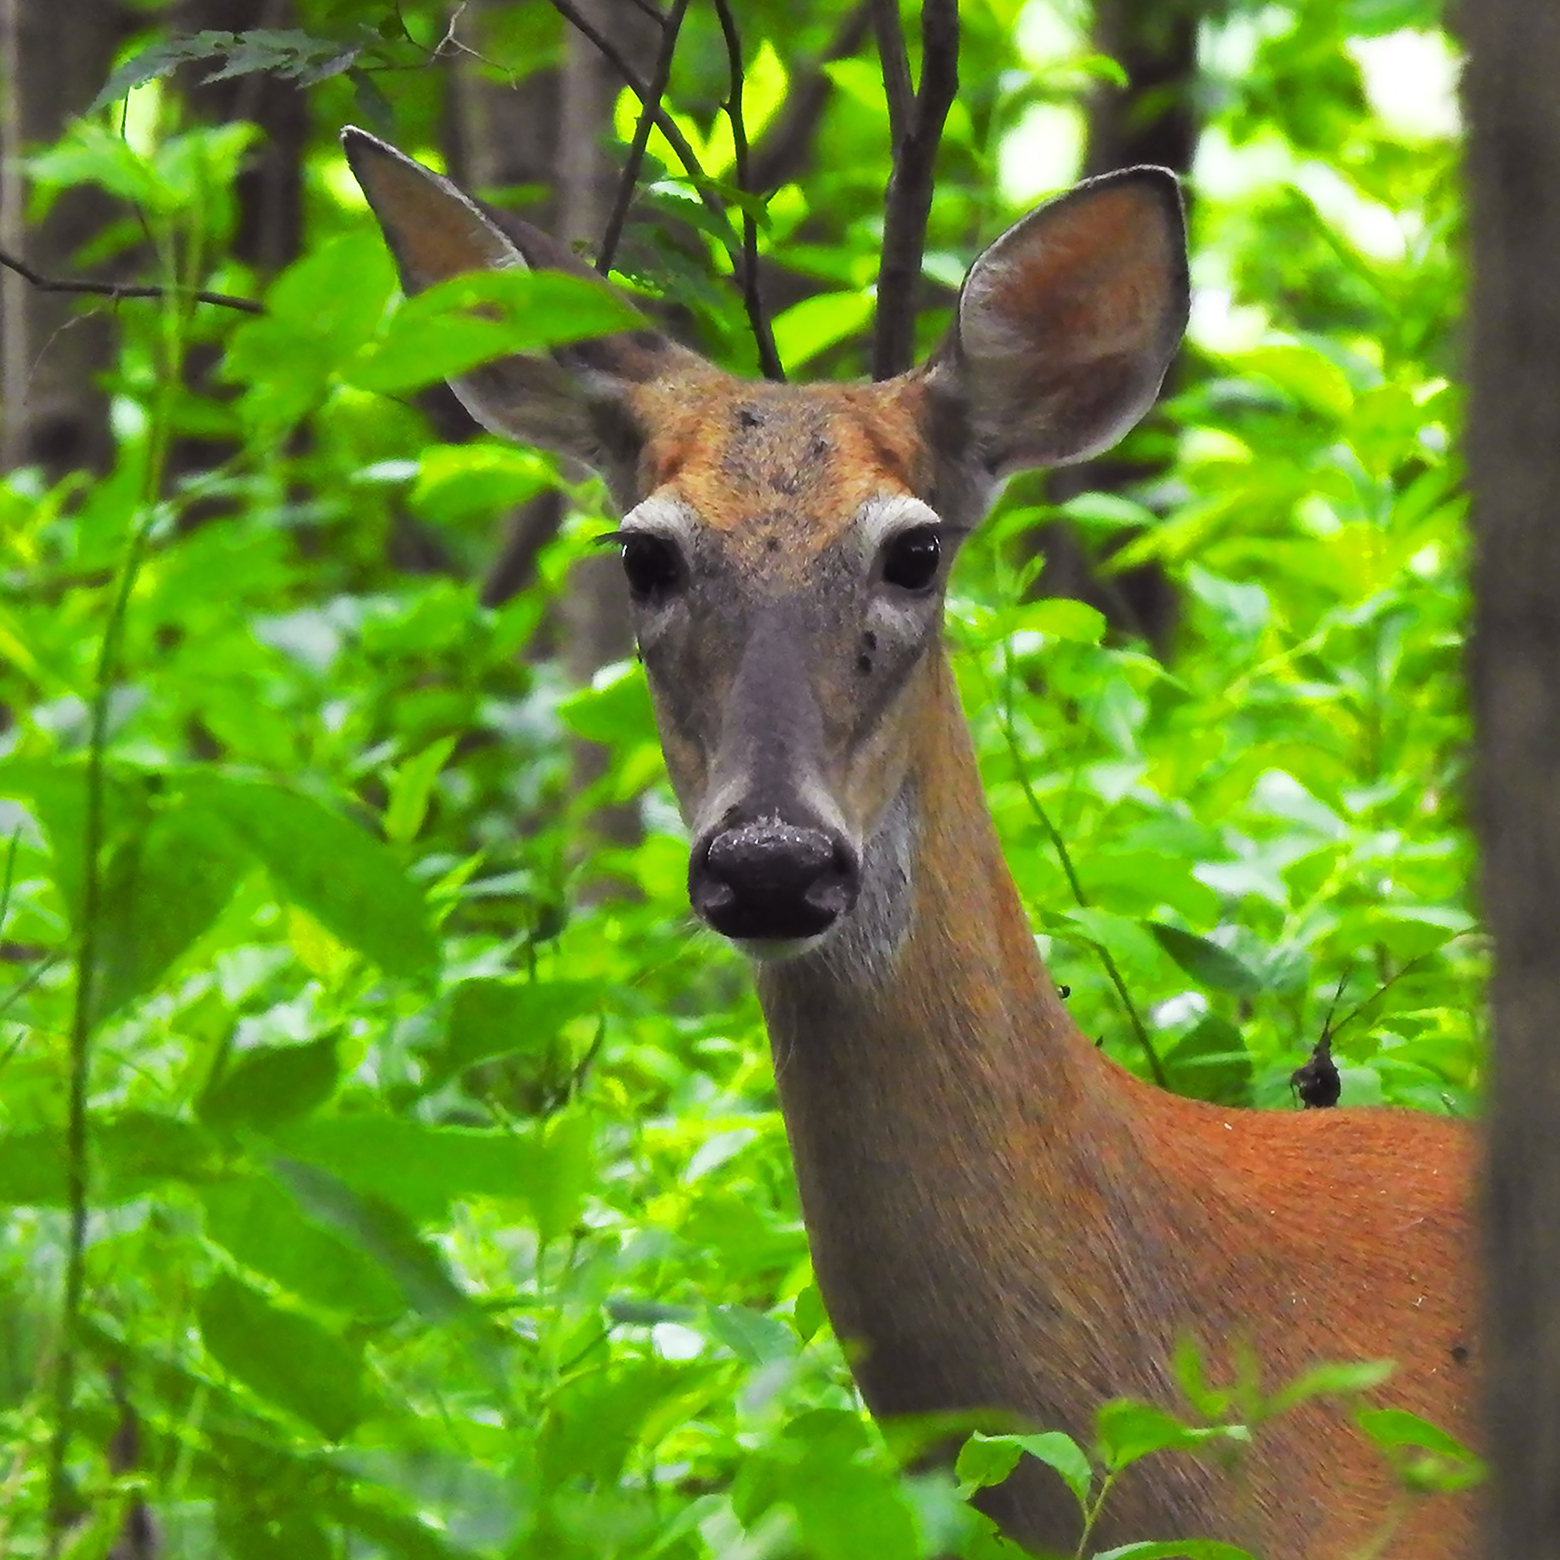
(567, 400)
(1067, 324)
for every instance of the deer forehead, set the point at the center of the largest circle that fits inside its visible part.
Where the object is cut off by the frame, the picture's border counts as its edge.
(782, 472)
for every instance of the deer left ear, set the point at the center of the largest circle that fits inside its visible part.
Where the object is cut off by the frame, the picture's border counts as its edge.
(1067, 323)
(564, 400)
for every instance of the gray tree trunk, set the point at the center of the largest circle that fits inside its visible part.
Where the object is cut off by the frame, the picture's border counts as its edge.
(595, 615)
(54, 349)
(1514, 452)
(501, 133)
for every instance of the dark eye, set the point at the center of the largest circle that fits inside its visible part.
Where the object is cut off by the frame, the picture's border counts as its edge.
(651, 564)
(911, 559)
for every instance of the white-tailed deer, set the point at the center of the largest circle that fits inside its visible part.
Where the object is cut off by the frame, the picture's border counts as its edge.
(1000, 1217)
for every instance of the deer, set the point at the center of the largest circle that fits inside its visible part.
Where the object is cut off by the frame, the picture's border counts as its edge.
(1001, 1217)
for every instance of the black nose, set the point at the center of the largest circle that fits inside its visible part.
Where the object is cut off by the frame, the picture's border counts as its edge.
(773, 880)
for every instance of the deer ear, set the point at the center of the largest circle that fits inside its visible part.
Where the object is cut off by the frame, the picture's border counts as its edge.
(1067, 323)
(568, 400)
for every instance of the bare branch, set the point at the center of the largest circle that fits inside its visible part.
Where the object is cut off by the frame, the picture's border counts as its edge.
(908, 203)
(782, 152)
(623, 198)
(897, 87)
(768, 353)
(679, 144)
(117, 290)
(660, 118)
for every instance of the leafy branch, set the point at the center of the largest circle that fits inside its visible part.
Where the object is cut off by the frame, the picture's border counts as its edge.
(703, 186)
(739, 144)
(671, 30)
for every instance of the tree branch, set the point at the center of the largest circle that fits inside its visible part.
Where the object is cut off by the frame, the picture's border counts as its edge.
(679, 144)
(623, 198)
(117, 290)
(768, 353)
(663, 121)
(908, 203)
(897, 86)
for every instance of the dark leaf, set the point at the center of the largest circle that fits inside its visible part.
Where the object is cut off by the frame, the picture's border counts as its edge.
(284, 1356)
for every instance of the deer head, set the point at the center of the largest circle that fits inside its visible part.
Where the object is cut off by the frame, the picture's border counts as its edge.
(787, 547)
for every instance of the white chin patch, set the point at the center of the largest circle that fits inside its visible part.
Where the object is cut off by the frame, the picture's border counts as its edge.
(776, 950)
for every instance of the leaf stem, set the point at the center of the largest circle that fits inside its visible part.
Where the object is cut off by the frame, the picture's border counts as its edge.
(77, 1160)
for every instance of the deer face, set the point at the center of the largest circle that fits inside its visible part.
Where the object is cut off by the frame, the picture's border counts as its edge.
(786, 548)
(785, 573)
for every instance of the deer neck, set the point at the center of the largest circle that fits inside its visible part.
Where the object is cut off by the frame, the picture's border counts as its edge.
(944, 1112)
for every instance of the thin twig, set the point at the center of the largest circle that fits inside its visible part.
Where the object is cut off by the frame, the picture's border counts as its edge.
(897, 86)
(908, 204)
(1059, 845)
(117, 290)
(655, 14)
(26, 984)
(768, 354)
(679, 144)
(641, 90)
(629, 177)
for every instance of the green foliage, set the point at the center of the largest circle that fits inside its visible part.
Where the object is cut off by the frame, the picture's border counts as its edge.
(439, 1202)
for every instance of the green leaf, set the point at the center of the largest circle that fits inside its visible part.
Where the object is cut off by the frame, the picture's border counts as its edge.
(615, 709)
(1396, 1427)
(994, 1457)
(753, 1337)
(422, 1169)
(262, 1226)
(1303, 373)
(285, 1357)
(490, 1018)
(1059, 617)
(1210, 1062)
(411, 787)
(1128, 1431)
(419, 1168)
(432, 336)
(341, 875)
(1335, 1380)
(560, 1176)
(985, 1460)
(162, 888)
(818, 323)
(270, 1085)
(1205, 961)
(383, 1234)
(132, 1152)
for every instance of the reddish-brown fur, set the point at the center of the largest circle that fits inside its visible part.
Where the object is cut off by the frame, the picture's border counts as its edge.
(1001, 1217)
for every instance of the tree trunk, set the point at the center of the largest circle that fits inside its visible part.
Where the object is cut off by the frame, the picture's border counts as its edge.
(1514, 452)
(501, 133)
(268, 229)
(54, 350)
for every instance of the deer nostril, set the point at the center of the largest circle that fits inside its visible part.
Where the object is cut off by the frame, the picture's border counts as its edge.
(773, 881)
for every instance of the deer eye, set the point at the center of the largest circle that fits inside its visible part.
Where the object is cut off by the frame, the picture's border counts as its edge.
(911, 558)
(651, 564)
